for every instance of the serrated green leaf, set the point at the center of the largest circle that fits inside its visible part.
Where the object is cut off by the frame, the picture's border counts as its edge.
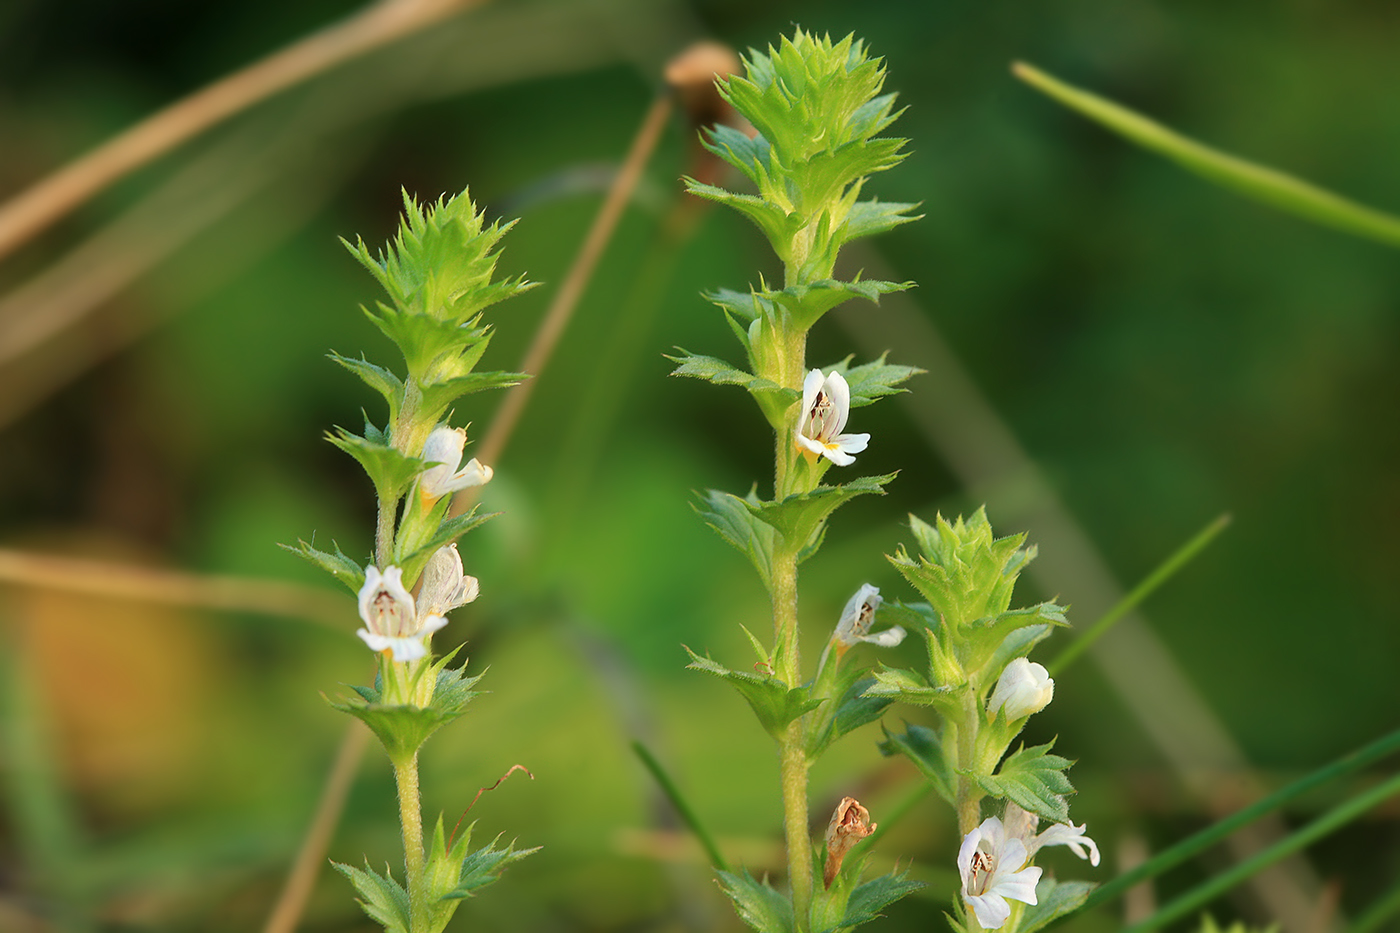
(403, 729)
(898, 684)
(715, 370)
(983, 638)
(777, 226)
(774, 703)
(391, 472)
(377, 378)
(438, 395)
(337, 565)
(923, 746)
(484, 867)
(743, 305)
(868, 218)
(1053, 899)
(805, 304)
(872, 381)
(798, 517)
(1034, 780)
(383, 898)
(732, 518)
(851, 707)
(875, 895)
(757, 903)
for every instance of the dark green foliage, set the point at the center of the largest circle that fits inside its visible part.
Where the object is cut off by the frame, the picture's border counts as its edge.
(1035, 780)
(1053, 899)
(774, 703)
(383, 898)
(757, 903)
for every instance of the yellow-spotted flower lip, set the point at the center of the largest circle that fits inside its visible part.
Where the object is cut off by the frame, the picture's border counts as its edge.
(397, 623)
(991, 864)
(826, 403)
(444, 449)
(859, 614)
(1024, 688)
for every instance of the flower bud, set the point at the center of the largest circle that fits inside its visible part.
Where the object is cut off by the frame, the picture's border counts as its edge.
(849, 825)
(1024, 688)
(444, 449)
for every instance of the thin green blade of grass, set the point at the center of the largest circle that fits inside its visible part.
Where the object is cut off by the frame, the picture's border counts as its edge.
(1381, 910)
(1278, 189)
(41, 812)
(1324, 825)
(1164, 572)
(683, 808)
(1194, 845)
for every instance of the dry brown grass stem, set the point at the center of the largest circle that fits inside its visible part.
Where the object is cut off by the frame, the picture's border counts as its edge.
(566, 299)
(312, 854)
(174, 588)
(52, 197)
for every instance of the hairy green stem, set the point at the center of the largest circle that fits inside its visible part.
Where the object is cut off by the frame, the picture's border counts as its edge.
(969, 794)
(791, 747)
(411, 819)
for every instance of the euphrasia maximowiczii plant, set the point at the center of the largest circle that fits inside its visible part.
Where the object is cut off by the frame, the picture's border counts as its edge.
(819, 113)
(818, 110)
(438, 273)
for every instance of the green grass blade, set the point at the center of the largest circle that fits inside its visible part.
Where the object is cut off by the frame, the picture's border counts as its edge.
(1329, 822)
(40, 811)
(1259, 182)
(1379, 912)
(1146, 588)
(673, 794)
(1208, 837)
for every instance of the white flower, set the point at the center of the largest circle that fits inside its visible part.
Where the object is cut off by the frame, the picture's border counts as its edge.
(1022, 825)
(990, 864)
(1024, 688)
(857, 616)
(1067, 834)
(392, 620)
(445, 587)
(826, 402)
(444, 448)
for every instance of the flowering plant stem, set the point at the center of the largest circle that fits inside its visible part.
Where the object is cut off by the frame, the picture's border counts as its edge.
(411, 819)
(791, 751)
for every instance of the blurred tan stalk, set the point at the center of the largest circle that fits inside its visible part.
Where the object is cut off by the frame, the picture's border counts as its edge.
(54, 196)
(174, 588)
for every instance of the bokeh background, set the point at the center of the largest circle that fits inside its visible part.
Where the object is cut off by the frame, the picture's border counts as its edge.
(1117, 353)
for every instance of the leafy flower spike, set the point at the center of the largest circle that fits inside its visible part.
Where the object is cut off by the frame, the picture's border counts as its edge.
(392, 619)
(826, 403)
(444, 448)
(857, 616)
(990, 865)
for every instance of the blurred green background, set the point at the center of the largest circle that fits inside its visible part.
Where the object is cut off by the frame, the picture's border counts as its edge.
(1162, 351)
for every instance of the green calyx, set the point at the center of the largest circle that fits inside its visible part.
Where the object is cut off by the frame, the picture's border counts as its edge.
(409, 702)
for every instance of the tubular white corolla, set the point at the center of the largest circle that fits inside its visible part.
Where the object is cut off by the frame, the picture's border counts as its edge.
(395, 622)
(990, 864)
(826, 403)
(444, 448)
